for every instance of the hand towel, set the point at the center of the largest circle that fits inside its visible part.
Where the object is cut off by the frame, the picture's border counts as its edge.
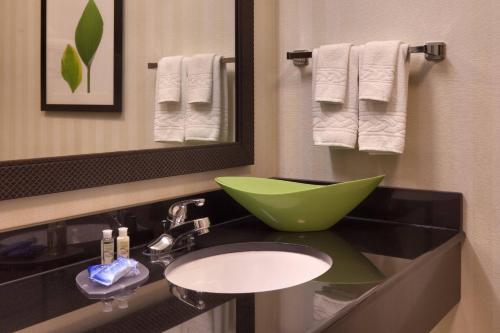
(169, 118)
(382, 125)
(336, 124)
(224, 96)
(206, 122)
(331, 73)
(168, 76)
(377, 70)
(200, 78)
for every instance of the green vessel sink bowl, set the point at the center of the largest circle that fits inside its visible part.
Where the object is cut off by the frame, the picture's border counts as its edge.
(292, 206)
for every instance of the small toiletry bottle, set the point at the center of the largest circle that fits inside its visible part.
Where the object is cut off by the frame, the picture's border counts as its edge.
(122, 243)
(107, 247)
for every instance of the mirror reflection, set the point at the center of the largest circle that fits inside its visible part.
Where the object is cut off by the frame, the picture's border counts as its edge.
(178, 68)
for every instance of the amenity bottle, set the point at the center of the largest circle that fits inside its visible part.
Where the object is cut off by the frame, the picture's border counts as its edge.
(123, 243)
(107, 247)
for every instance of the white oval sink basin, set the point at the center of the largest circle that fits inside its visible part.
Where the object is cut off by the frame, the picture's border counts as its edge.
(247, 267)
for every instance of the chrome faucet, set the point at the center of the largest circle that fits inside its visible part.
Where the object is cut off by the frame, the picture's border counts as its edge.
(177, 224)
(177, 214)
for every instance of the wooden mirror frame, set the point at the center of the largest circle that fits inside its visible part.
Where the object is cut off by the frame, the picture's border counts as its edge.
(31, 177)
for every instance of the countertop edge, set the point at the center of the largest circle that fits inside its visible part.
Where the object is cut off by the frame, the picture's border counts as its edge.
(383, 288)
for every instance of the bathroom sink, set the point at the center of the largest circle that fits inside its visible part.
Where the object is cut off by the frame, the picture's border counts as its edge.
(293, 206)
(247, 267)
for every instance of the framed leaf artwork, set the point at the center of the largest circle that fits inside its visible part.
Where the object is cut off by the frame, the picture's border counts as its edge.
(81, 60)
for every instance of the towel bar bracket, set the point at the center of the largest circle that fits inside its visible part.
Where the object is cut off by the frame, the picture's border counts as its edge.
(434, 51)
(300, 57)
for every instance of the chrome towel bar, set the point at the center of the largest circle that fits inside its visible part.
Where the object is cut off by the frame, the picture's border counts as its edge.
(434, 51)
(223, 60)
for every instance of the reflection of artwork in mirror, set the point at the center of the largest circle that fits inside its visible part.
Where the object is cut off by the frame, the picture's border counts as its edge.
(81, 52)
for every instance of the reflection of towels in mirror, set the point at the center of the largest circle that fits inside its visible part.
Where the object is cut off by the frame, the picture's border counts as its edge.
(200, 77)
(216, 320)
(169, 109)
(209, 121)
(168, 76)
(325, 307)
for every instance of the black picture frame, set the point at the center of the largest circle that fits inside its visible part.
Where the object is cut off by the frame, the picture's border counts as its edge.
(32, 177)
(117, 70)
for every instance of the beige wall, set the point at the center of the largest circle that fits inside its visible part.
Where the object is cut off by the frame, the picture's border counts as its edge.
(453, 130)
(152, 29)
(21, 212)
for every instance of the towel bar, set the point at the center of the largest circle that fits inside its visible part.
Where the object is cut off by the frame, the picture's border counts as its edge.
(434, 51)
(224, 60)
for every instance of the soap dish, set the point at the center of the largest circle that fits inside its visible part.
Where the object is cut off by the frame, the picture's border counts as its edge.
(94, 290)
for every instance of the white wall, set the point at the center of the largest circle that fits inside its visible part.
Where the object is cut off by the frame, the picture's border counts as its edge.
(453, 130)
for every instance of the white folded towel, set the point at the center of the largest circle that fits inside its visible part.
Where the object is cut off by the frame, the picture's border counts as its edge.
(382, 126)
(200, 78)
(168, 77)
(336, 124)
(208, 122)
(331, 73)
(224, 96)
(377, 68)
(170, 116)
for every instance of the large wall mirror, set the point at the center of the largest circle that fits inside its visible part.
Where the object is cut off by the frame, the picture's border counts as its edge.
(44, 152)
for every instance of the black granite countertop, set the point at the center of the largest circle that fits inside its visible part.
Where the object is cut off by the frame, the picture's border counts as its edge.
(366, 252)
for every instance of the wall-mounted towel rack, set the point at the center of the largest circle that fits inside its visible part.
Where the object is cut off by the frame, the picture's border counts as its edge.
(433, 51)
(223, 60)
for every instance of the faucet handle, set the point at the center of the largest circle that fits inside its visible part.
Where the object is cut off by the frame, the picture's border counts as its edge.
(178, 211)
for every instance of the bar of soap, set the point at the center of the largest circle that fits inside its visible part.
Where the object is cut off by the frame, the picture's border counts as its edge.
(106, 275)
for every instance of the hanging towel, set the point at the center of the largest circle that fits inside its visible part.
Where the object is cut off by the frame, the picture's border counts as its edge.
(382, 125)
(170, 116)
(377, 70)
(207, 122)
(336, 124)
(331, 73)
(168, 76)
(200, 78)
(224, 96)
